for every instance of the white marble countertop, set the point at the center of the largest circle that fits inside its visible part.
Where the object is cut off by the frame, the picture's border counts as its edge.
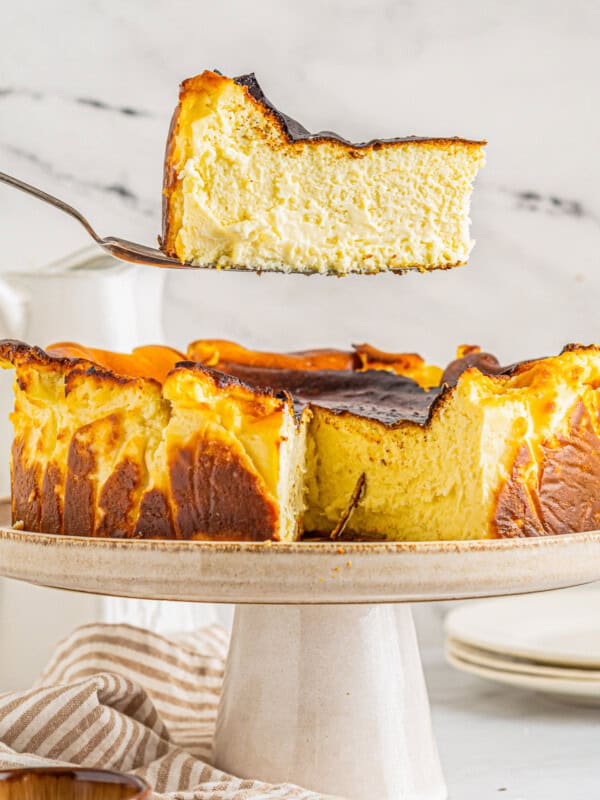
(86, 93)
(500, 743)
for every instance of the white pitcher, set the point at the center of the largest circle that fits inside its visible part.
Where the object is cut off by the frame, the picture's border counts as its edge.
(87, 297)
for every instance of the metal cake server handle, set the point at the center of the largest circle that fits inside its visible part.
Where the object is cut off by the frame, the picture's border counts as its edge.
(119, 248)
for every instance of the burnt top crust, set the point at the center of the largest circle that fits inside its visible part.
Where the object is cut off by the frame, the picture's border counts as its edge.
(296, 132)
(374, 394)
(484, 362)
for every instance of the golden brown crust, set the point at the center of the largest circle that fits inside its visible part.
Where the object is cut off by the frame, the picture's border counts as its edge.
(18, 353)
(170, 224)
(212, 495)
(151, 362)
(117, 499)
(224, 380)
(219, 353)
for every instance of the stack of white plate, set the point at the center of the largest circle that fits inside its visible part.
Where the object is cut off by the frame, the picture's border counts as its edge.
(545, 642)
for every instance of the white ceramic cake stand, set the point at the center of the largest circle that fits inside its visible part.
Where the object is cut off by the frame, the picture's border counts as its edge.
(323, 685)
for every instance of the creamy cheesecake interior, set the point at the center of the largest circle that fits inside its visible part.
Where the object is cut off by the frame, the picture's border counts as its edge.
(247, 187)
(273, 446)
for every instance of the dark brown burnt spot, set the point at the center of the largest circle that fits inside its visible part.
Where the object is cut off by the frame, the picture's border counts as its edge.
(296, 133)
(567, 496)
(570, 478)
(215, 495)
(80, 490)
(166, 241)
(51, 512)
(117, 499)
(374, 394)
(26, 504)
(155, 519)
(486, 363)
(516, 511)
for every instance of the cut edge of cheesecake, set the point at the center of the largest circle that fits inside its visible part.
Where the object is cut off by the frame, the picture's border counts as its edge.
(247, 187)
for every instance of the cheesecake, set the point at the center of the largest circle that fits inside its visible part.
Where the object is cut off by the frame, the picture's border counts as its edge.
(222, 442)
(247, 187)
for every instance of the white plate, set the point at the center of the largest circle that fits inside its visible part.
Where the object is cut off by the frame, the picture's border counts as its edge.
(587, 691)
(498, 661)
(560, 628)
(302, 572)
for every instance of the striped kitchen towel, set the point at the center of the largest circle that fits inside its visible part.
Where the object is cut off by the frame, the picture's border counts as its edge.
(123, 698)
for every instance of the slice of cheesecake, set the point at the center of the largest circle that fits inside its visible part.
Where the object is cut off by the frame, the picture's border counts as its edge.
(247, 187)
(231, 463)
(109, 444)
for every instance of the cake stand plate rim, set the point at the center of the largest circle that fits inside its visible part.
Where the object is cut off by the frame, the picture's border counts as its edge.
(302, 573)
(320, 547)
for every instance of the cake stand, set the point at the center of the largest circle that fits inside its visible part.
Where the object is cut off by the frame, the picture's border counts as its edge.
(323, 685)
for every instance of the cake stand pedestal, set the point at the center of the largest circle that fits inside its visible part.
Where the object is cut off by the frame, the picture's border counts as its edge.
(323, 685)
(330, 697)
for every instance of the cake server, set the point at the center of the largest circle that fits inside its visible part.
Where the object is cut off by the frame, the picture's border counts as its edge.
(119, 248)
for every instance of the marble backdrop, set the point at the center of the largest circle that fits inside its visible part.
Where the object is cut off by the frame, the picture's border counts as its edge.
(87, 89)
(86, 93)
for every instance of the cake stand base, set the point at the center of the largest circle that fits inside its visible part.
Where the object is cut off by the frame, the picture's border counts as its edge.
(319, 689)
(331, 698)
